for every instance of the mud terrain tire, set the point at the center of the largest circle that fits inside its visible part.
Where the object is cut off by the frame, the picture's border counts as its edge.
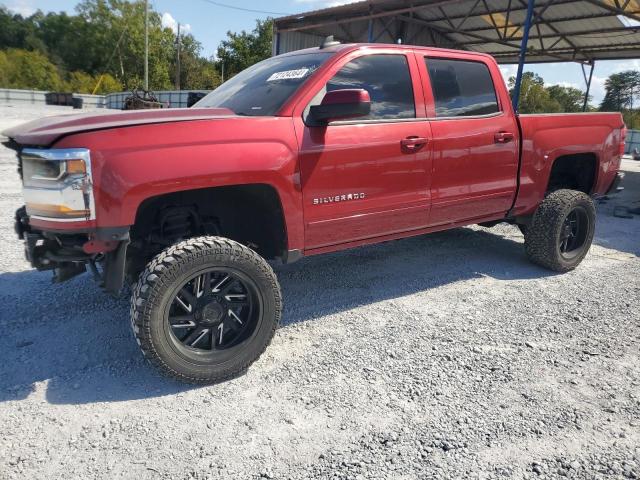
(177, 269)
(561, 231)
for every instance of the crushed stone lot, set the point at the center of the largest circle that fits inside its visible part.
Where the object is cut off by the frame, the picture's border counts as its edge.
(440, 356)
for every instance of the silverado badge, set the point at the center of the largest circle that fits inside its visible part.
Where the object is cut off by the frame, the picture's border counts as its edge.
(338, 198)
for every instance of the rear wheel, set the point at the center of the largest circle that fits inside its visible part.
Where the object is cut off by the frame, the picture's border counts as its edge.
(561, 231)
(205, 309)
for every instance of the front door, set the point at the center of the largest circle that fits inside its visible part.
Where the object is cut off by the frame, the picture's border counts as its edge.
(367, 177)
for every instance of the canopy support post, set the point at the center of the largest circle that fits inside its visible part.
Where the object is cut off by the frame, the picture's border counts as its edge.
(146, 46)
(586, 94)
(523, 54)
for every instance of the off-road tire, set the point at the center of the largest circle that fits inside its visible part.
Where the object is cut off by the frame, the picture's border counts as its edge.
(542, 235)
(152, 292)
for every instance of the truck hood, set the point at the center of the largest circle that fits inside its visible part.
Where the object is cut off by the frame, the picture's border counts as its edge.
(47, 130)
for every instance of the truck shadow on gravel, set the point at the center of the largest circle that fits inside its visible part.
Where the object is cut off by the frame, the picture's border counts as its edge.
(71, 343)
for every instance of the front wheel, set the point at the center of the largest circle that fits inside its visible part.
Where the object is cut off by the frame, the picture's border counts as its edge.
(205, 309)
(561, 231)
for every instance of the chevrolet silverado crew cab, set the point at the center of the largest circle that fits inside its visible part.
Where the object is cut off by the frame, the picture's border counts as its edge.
(305, 153)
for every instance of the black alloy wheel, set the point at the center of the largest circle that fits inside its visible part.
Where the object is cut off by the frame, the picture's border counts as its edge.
(574, 233)
(213, 311)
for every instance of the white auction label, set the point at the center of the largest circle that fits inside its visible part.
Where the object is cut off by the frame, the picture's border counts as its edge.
(288, 74)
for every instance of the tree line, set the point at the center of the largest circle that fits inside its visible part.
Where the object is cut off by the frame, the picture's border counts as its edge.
(101, 48)
(622, 93)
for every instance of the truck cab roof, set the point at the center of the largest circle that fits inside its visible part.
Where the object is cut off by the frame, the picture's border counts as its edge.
(349, 47)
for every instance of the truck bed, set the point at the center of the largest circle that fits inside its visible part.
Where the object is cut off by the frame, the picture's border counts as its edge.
(546, 137)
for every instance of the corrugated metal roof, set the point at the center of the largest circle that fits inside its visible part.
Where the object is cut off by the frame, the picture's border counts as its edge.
(563, 30)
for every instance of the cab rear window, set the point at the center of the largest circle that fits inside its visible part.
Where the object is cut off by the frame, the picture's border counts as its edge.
(461, 88)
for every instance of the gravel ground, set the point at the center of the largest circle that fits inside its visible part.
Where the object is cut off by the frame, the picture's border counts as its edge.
(446, 356)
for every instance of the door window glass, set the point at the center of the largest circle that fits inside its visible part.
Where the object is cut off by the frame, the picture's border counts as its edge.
(461, 88)
(386, 78)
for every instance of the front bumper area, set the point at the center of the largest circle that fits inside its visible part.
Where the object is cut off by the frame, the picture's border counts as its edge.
(69, 253)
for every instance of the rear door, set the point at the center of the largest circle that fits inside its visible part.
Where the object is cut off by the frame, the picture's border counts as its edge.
(362, 178)
(474, 139)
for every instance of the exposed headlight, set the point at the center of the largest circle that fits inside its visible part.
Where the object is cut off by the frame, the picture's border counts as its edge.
(57, 184)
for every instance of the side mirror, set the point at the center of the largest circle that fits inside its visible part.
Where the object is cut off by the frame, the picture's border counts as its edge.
(341, 105)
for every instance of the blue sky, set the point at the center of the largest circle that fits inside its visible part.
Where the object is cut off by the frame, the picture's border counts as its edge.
(209, 24)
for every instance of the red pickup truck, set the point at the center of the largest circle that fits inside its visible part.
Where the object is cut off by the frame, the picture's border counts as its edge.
(304, 153)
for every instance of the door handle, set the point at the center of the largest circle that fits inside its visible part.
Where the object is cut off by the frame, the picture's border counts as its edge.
(413, 143)
(503, 137)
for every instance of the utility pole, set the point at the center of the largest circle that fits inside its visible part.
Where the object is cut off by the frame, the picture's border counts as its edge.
(178, 60)
(146, 45)
(222, 63)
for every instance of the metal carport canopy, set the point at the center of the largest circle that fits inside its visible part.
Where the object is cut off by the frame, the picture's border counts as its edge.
(558, 30)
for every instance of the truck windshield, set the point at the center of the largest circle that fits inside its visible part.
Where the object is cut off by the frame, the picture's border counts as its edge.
(262, 89)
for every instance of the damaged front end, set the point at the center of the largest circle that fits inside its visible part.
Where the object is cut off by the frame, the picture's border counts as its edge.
(102, 251)
(67, 254)
(58, 192)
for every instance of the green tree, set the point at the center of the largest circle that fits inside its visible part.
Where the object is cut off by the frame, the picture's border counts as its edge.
(62, 38)
(108, 85)
(200, 74)
(570, 99)
(631, 119)
(29, 70)
(81, 82)
(16, 31)
(105, 38)
(4, 69)
(117, 42)
(241, 50)
(622, 90)
(196, 72)
(534, 98)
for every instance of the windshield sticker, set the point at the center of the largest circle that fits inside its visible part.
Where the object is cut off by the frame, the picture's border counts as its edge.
(288, 74)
